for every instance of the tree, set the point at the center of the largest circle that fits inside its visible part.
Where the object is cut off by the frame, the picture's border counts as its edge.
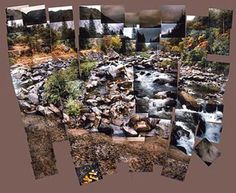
(140, 45)
(64, 31)
(121, 32)
(106, 30)
(92, 28)
(221, 19)
(134, 32)
(116, 43)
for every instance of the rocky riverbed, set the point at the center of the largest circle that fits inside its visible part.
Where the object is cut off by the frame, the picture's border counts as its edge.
(113, 93)
(28, 82)
(131, 97)
(201, 91)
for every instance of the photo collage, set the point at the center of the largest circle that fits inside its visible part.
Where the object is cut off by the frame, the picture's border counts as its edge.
(138, 88)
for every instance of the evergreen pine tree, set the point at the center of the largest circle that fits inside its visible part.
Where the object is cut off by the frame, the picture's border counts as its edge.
(92, 28)
(64, 30)
(106, 30)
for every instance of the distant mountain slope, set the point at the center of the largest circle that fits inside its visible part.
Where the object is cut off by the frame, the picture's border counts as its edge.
(35, 17)
(61, 15)
(13, 14)
(85, 13)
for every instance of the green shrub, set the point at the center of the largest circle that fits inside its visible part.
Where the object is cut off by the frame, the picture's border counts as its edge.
(86, 67)
(60, 86)
(73, 89)
(144, 55)
(207, 88)
(73, 107)
(170, 63)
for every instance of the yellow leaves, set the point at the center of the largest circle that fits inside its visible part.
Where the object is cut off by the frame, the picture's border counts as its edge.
(90, 177)
(175, 49)
(116, 42)
(203, 45)
(201, 38)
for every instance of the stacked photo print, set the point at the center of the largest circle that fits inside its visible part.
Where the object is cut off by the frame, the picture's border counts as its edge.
(44, 70)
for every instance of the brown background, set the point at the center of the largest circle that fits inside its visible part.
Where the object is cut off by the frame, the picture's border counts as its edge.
(16, 174)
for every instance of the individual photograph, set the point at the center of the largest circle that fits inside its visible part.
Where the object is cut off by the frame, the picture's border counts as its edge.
(197, 22)
(113, 14)
(204, 95)
(89, 173)
(39, 82)
(172, 30)
(220, 23)
(62, 31)
(148, 35)
(131, 19)
(183, 137)
(14, 16)
(90, 11)
(91, 28)
(207, 152)
(150, 19)
(176, 164)
(19, 50)
(33, 15)
(173, 13)
(130, 33)
(156, 90)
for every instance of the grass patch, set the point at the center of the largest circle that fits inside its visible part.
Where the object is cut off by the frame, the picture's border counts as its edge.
(86, 67)
(207, 89)
(144, 55)
(73, 107)
(170, 63)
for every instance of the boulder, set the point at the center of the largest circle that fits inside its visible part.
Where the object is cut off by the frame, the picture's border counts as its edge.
(24, 105)
(66, 118)
(142, 126)
(26, 83)
(96, 110)
(54, 109)
(20, 95)
(189, 101)
(40, 109)
(91, 116)
(33, 98)
(129, 132)
(37, 78)
(44, 110)
(134, 119)
(105, 128)
(91, 102)
(112, 55)
(19, 72)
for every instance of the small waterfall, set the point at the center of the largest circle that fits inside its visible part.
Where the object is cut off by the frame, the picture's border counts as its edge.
(187, 142)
